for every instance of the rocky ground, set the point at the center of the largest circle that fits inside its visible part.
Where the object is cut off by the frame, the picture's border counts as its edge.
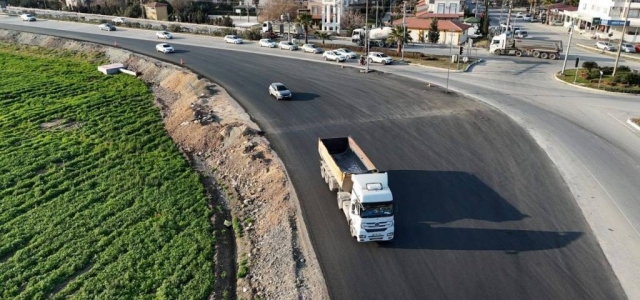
(262, 249)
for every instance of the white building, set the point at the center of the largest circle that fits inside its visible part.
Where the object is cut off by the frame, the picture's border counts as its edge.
(441, 9)
(606, 18)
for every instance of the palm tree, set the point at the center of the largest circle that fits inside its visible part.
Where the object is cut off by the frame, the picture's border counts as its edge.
(305, 20)
(323, 35)
(400, 36)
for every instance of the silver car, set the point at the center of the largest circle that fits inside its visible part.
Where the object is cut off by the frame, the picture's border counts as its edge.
(280, 91)
(288, 46)
(346, 52)
(626, 47)
(311, 48)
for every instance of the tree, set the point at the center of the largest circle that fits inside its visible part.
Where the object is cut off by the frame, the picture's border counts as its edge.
(434, 33)
(486, 19)
(351, 19)
(274, 8)
(305, 20)
(323, 35)
(400, 36)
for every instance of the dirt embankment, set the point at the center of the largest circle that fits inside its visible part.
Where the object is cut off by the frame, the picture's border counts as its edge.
(262, 248)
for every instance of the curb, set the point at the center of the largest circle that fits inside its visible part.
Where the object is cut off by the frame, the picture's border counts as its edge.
(633, 124)
(555, 76)
(609, 53)
(480, 60)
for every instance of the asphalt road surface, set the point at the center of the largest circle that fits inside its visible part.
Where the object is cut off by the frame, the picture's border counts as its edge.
(482, 211)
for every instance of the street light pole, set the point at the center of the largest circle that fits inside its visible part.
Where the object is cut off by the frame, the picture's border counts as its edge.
(376, 14)
(247, 11)
(624, 27)
(566, 53)
(404, 27)
(509, 15)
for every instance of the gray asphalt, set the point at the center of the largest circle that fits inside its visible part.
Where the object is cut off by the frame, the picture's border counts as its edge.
(482, 211)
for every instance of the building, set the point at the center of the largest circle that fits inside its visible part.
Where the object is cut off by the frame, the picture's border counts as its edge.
(451, 31)
(156, 11)
(605, 18)
(441, 9)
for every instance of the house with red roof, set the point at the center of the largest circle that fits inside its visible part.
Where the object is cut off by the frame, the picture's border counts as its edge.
(451, 31)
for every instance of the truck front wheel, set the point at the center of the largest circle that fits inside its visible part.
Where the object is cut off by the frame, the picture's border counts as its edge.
(497, 52)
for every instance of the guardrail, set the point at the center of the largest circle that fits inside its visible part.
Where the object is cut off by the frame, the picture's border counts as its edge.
(129, 22)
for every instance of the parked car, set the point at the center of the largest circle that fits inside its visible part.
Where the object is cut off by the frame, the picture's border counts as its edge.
(107, 27)
(557, 23)
(519, 15)
(333, 55)
(626, 47)
(637, 47)
(117, 20)
(379, 57)
(311, 48)
(164, 35)
(346, 52)
(267, 43)
(605, 46)
(280, 91)
(527, 18)
(288, 46)
(234, 39)
(165, 48)
(27, 17)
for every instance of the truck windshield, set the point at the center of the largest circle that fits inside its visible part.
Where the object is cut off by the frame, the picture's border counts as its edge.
(376, 210)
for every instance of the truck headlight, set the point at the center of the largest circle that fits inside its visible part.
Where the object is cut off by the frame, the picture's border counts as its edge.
(361, 225)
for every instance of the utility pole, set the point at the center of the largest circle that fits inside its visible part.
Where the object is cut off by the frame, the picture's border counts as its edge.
(450, 58)
(247, 10)
(376, 14)
(366, 34)
(404, 26)
(624, 27)
(509, 14)
(566, 53)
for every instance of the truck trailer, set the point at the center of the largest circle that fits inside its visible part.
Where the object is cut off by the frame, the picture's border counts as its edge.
(506, 45)
(363, 192)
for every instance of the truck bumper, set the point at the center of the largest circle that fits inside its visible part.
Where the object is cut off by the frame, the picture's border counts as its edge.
(386, 235)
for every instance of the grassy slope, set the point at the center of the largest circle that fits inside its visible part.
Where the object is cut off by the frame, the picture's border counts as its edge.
(108, 210)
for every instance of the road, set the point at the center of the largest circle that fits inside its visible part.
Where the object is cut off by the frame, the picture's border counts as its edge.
(483, 212)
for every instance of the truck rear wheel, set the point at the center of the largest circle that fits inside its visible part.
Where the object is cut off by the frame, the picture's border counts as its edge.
(536, 54)
(544, 55)
(553, 56)
(518, 53)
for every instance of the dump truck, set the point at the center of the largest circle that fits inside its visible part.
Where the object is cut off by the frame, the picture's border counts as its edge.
(363, 192)
(283, 29)
(506, 45)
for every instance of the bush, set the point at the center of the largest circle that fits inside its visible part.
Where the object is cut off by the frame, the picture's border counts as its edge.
(630, 78)
(593, 74)
(252, 34)
(623, 69)
(606, 70)
(174, 28)
(589, 65)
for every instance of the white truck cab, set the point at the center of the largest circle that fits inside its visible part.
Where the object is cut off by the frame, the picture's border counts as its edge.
(370, 209)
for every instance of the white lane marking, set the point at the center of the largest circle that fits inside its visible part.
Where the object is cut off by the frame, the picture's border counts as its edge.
(623, 123)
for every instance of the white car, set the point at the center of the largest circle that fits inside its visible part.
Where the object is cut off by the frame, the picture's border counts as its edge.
(165, 48)
(234, 39)
(311, 48)
(118, 20)
(333, 55)
(527, 18)
(519, 15)
(27, 17)
(288, 46)
(605, 46)
(346, 52)
(379, 57)
(280, 91)
(164, 35)
(268, 43)
(626, 47)
(521, 33)
(107, 27)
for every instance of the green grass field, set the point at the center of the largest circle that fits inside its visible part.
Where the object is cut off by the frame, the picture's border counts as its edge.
(102, 205)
